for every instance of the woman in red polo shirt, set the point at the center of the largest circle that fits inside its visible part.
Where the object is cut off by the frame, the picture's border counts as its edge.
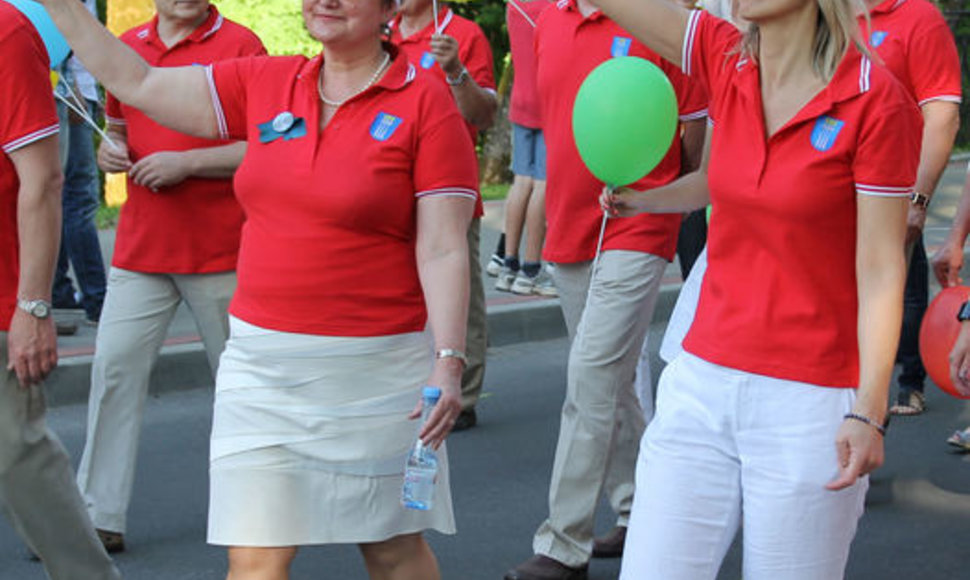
(778, 402)
(358, 185)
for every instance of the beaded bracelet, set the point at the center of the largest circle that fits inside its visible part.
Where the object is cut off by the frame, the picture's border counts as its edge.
(868, 421)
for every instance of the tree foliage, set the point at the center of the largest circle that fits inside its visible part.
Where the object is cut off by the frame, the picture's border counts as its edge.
(278, 23)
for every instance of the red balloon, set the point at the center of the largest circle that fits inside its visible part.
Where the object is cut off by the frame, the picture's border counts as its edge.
(938, 333)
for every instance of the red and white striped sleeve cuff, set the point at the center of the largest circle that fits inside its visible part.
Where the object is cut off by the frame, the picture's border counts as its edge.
(448, 192)
(696, 115)
(690, 35)
(21, 142)
(883, 191)
(217, 104)
(946, 98)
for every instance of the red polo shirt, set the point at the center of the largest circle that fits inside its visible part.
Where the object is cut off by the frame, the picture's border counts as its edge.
(916, 45)
(473, 50)
(779, 298)
(192, 227)
(328, 244)
(568, 48)
(521, 18)
(27, 115)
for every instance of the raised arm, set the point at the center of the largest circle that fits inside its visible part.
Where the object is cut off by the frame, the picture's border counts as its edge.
(660, 24)
(175, 97)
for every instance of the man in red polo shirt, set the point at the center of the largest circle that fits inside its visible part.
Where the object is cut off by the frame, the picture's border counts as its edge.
(915, 43)
(35, 472)
(607, 310)
(455, 50)
(177, 240)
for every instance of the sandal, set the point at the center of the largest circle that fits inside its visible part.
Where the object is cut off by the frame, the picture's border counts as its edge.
(960, 439)
(915, 403)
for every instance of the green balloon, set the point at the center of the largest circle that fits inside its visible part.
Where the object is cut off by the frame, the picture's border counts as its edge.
(624, 119)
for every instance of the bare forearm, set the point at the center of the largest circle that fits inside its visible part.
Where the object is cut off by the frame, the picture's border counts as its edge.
(477, 105)
(941, 124)
(444, 280)
(39, 231)
(216, 162)
(880, 278)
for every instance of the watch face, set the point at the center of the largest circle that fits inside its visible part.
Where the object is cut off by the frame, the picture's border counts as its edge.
(40, 310)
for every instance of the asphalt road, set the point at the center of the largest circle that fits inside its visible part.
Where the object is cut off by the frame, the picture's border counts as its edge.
(917, 524)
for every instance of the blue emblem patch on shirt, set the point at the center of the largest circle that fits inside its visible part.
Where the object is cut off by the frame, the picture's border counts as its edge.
(621, 46)
(384, 126)
(877, 38)
(427, 60)
(825, 133)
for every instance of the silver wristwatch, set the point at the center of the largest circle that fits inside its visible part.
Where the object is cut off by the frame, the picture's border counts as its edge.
(459, 80)
(36, 308)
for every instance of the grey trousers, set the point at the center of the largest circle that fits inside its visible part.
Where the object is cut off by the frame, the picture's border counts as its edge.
(137, 311)
(37, 489)
(476, 336)
(607, 314)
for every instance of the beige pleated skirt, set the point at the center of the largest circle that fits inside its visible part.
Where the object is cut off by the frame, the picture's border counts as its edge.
(309, 439)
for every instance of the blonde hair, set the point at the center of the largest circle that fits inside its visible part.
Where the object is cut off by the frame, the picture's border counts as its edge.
(836, 29)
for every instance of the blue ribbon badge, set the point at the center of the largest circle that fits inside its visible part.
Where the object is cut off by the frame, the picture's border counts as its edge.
(621, 46)
(284, 125)
(825, 133)
(384, 126)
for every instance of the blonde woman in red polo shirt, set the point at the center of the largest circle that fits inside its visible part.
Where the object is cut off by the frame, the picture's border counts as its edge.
(779, 401)
(358, 186)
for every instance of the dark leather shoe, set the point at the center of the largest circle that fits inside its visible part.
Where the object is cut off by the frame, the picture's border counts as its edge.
(113, 542)
(466, 420)
(610, 545)
(541, 567)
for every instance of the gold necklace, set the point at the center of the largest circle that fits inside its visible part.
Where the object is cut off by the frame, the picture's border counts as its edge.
(373, 79)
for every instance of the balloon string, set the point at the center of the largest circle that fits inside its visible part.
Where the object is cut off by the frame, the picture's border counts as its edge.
(87, 119)
(437, 29)
(599, 243)
(522, 12)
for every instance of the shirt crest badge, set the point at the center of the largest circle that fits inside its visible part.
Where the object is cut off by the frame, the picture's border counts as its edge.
(621, 46)
(825, 133)
(427, 60)
(384, 126)
(877, 38)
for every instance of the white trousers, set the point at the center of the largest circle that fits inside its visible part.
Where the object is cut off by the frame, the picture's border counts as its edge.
(607, 313)
(722, 439)
(138, 309)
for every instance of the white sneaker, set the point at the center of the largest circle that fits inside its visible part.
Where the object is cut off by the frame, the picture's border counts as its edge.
(505, 279)
(541, 284)
(495, 265)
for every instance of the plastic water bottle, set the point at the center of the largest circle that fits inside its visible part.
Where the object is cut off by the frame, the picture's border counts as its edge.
(422, 465)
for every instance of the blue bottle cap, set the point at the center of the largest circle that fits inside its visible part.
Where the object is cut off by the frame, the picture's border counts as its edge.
(433, 393)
